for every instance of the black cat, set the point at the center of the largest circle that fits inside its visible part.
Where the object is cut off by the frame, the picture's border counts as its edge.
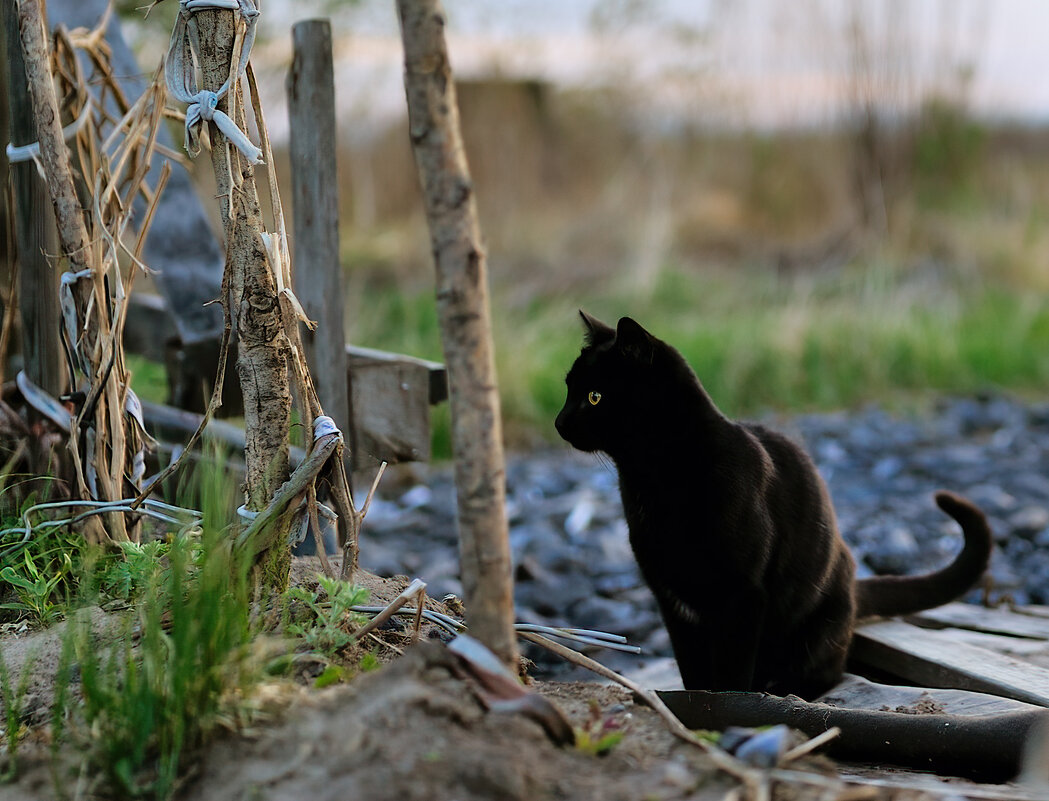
(732, 525)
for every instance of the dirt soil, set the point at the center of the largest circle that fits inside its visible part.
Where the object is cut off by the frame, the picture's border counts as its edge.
(416, 729)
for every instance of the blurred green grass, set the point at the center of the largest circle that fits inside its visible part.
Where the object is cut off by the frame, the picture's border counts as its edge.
(759, 343)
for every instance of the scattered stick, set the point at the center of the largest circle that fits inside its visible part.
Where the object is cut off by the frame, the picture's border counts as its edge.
(417, 625)
(809, 746)
(380, 641)
(416, 588)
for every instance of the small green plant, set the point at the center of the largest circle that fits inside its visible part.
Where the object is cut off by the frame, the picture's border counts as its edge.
(36, 585)
(600, 734)
(325, 633)
(145, 703)
(125, 575)
(12, 698)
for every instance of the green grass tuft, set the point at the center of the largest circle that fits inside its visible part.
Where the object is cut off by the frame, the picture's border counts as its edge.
(146, 701)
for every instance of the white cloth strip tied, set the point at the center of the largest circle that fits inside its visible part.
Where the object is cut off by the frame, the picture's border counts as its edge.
(180, 75)
(20, 153)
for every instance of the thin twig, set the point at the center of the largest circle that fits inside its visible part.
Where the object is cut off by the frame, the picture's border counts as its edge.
(720, 758)
(419, 614)
(371, 491)
(355, 518)
(373, 636)
(809, 746)
(318, 536)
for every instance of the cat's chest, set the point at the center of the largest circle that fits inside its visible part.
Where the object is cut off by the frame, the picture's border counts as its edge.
(652, 506)
(695, 528)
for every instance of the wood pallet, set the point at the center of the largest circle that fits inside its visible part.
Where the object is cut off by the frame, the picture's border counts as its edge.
(1001, 652)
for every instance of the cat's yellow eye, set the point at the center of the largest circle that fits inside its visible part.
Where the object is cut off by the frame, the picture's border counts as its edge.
(594, 398)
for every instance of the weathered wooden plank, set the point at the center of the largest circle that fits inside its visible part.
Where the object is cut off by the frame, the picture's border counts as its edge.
(315, 206)
(936, 788)
(391, 411)
(856, 692)
(438, 375)
(1023, 647)
(1033, 610)
(978, 618)
(921, 657)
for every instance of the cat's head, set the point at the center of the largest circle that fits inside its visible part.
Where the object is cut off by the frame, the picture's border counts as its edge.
(614, 385)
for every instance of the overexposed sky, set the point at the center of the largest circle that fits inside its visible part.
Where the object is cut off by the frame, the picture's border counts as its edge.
(763, 63)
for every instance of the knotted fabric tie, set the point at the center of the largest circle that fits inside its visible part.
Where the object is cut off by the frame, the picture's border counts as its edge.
(180, 76)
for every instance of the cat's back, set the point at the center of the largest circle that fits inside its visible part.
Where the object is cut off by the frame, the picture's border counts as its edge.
(799, 504)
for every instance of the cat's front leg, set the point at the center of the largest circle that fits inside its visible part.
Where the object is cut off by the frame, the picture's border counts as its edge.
(736, 631)
(719, 650)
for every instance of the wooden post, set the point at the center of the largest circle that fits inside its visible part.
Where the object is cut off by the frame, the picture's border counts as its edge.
(315, 233)
(7, 230)
(462, 304)
(35, 234)
(54, 154)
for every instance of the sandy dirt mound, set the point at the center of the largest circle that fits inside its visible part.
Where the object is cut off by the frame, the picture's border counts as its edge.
(414, 731)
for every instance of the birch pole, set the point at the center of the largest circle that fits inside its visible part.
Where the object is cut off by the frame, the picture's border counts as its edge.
(262, 355)
(465, 322)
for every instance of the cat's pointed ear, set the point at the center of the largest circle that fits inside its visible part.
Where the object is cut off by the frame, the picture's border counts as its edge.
(594, 331)
(635, 341)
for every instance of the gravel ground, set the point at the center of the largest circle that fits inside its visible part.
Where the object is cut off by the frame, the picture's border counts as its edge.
(572, 560)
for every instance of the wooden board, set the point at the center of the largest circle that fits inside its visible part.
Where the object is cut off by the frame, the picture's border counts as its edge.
(999, 643)
(390, 394)
(921, 657)
(315, 204)
(437, 375)
(979, 618)
(856, 692)
(390, 409)
(1033, 610)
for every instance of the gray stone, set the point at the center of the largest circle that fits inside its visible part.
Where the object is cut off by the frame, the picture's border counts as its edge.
(1029, 521)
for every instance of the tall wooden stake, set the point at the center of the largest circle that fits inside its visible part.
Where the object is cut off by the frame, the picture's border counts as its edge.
(35, 234)
(53, 152)
(462, 303)
(315, 193)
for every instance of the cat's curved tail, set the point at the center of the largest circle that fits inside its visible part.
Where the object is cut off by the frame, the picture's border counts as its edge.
(902, 595)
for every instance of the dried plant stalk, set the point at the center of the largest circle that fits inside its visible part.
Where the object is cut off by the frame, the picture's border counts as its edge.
(114, 143)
